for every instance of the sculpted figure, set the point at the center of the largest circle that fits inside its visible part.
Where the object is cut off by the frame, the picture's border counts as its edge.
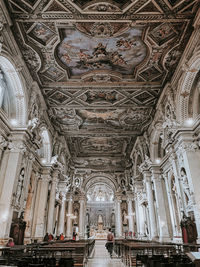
(20, 186)
(185, 184)
(3, 87)
(32, 124)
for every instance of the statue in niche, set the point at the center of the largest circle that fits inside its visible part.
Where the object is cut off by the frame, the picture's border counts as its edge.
(173, 185)
(3, 87)
(77, 183)
(112, 219)
(124, 218)
(100, 222)
(76, 217)
(20, 186)
(185, 184)
(123, 184)
(131, 184)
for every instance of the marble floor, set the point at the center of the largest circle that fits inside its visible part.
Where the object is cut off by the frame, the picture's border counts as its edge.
(101, 257)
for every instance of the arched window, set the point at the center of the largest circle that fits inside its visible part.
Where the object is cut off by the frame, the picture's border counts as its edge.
(12, 96)
(45, 150)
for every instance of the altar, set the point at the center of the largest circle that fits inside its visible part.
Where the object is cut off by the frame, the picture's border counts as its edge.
(98, 234)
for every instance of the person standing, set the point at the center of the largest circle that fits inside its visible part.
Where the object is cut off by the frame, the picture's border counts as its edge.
(109, 244)
(74, 235)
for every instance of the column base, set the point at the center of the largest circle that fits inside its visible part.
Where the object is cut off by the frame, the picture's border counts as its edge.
(165, 239)
(177, 239)
(155, 238)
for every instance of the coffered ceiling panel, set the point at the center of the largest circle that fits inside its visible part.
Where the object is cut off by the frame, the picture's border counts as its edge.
(101, 66)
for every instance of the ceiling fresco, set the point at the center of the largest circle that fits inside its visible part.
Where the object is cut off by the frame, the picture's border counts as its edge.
(101, 67)
(81, 53)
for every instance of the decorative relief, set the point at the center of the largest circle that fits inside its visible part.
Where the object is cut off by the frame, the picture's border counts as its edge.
(184, 147)
(41, 33)
(103, 7)
(102, 29)
(16, 146)
(163, 33)
(101, 97)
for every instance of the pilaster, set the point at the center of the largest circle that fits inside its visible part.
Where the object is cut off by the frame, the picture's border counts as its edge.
(42, 193)
(118, 216)
(52, 201)
(160, 204)
(10, 165)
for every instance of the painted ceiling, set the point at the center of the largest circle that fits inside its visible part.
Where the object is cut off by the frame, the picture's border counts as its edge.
(101, 66)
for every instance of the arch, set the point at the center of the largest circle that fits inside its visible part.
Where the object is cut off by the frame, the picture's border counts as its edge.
(185, 86)
(18, 100)
(194, 98)
(46, 146)
(100, 178)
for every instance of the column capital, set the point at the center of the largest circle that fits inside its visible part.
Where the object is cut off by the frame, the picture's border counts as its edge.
(17, 146)
(130, 196)
(155, 170)
(45, 175)
(55, 175)
(69, 197)
(147, 177)
(82, 200)
(63, 196)
(3, 142)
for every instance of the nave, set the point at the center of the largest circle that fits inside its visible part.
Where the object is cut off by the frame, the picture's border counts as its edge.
(99, 129)
(101, 257)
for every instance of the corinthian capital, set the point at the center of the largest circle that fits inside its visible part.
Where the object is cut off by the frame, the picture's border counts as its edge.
(16, 146)
(145, 165)
(187, 146)
(3, 142)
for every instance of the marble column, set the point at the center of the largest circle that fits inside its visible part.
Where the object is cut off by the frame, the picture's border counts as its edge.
(51, 207)
(40, 207)
(150, 199)
(161, 205)
(174, 162)
(28, 215)
(137, 215)
(10, 166)
(62, 215)
(82, 218)
(130, 215)
(69, 220)
(172, 226)
(118, 217)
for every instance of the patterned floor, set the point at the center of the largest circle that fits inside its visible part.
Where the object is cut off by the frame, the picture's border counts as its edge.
(101, 257)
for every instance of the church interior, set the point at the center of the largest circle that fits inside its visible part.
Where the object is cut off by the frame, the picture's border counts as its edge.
(99, 133)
